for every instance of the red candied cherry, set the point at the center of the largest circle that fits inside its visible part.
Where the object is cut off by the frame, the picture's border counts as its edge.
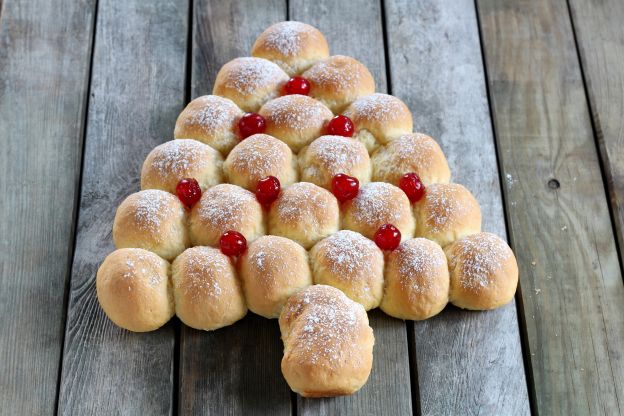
(267, 190)
(250, 124)
(388, 237)
(345, 187)
(297, 85)
(413, 187)
(341, 126)
(232, 243)
(188, 191)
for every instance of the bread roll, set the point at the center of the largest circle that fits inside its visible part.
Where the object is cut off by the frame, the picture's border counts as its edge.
(134, 291)
(328, 343)
(352, 263)
(417, 280)
(338, 81)
(304, 213)
(272, 269)
(153, 220)
(413, 152)
(484, 272)
(249, 82)
(329, 155)
(294, 46)
(175, 160)
(206, 289)
(446, 213)
(223, 208)
(212, 120)
(295, 119)
(377, 204)
(257, 157)
(379, 118)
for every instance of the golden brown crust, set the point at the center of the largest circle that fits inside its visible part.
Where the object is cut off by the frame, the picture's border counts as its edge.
(338, 81)
(212, 120)
(153, 220)
(413, 152)
(272, 269)
(295, 119)
(249, 82)
(328, 344)
(417, 280)
(134, 290)
(377, 204)
(206, 289)
(223, 208)
(305, 213)
(327, 156)
(352, 263)
(483, 270)
(294, 46)
(174, 160)
(257, 157)
(446, 213)
(379, 118)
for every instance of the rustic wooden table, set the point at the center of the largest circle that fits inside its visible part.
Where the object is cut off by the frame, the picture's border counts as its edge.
(525, 97)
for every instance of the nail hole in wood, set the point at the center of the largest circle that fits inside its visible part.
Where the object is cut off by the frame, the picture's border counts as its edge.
(554, 184)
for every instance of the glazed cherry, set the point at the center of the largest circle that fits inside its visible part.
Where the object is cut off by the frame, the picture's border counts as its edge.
(297, 85)
(345, 187)
(387, 237)
(413, 187)
(188, 191)
(250, 124)
(232, 243)
(267, 190)
(340, 126)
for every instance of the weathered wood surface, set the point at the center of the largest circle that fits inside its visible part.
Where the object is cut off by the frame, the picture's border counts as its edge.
(467, 362)
(571, 285)
(600, 41)
(45, 51)
(389, 384)
(235, 370)
(137, 91)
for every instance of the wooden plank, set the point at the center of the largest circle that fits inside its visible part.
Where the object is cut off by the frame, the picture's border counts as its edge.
(137, 91)
(234, 370)
(436, 67)
(389, 384)
(600, 37)
(44, 66)
(571, 284)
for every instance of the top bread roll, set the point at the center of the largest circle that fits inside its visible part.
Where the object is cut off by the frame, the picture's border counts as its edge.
(212, 120)
(295, 119)
(134, 291)
(446, 212)
(328, 343)
(175, 160)
(414, 152)
(379, 118)
(294, 46)
(484, 272)
(249, 82)
(338, 81)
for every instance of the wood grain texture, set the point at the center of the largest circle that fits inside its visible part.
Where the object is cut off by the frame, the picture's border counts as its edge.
(234, 370)
(467, 362)
(44, 66)
(389, 384)
(137, 91)
(571, 285)
(600, 40)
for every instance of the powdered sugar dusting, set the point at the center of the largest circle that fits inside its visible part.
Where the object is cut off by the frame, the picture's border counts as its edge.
(414, 149)
(205, 270)
(286, 37)
(147, 265)
(339, 72)
(337, 154)
(378, 203)
(443, 206)
(225, 205)
(259, 156)
(246, 75)
(480, 256)
(303, 201)
(213, 113)
(296, 112)
(348, 254)
(151, 207)
(379, 107)
(177, 157)
(418, 265)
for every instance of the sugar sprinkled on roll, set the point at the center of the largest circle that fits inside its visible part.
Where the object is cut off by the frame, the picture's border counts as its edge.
(134, 291)
(328, 343)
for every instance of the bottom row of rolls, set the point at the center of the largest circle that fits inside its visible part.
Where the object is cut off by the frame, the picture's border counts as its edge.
(320, 296)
